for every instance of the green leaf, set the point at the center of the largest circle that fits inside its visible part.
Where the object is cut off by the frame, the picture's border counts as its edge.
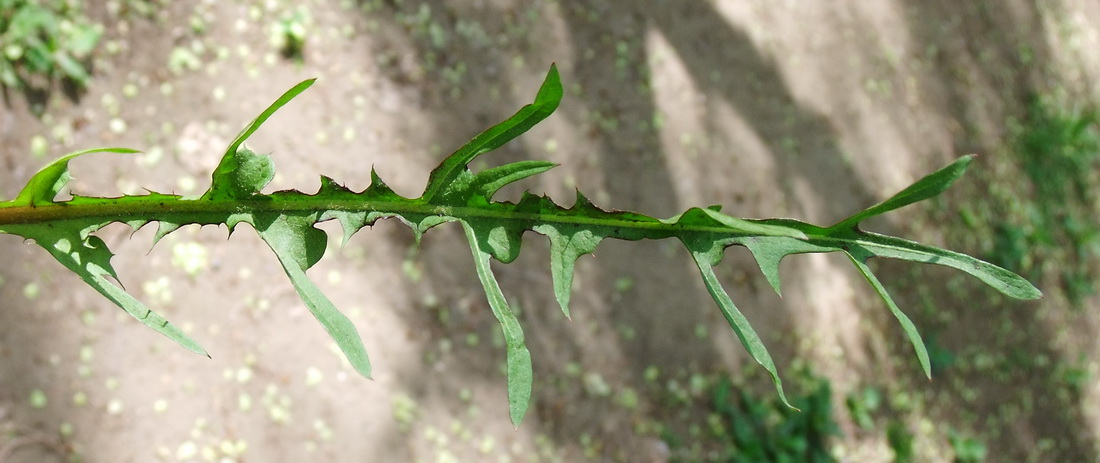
(752, 227)
(488, 182)
(286, 221)
(502, 242)
(83, 39)
(256, 123)
(299, 245)
(72, 68)
(8, 76)
(87, 256)
(44, 186)
(705, 260)
(163, 229)
(927, 187)
(546, 101)
(876, 245)
(769, 251)
(240, 175)
(768, 240)
(478, 189)
(520, 372)
(906, 324)
(567, 244)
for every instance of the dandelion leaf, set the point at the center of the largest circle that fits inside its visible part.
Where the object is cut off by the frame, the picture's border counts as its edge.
(286, 221)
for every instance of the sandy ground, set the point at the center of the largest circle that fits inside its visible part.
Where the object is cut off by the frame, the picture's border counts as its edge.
(810, 110)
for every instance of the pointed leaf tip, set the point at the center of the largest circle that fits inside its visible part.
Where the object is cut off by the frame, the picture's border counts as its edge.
(741, 326)
(567, 244)
(519, 368)
(520, 377)
(298, 245)
(930, 185)
(44, 186)
(769, 252)
(551, 89)
(259, 120)
(546, 101)
(906, 324)
(488, 182)
(1007, 282)
(89, 258)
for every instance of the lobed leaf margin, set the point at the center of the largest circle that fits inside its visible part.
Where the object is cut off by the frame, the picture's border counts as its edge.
(493, 229)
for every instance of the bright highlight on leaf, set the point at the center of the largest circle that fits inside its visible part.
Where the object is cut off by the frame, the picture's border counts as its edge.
(286, 221)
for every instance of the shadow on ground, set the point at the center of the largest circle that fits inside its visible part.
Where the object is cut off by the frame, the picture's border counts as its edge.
(640, 307)
(978, 79)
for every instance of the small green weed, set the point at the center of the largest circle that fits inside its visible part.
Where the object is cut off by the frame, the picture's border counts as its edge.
(967, 449)
(941, 357)
(863, 404)
(288, 34)
(1075, 375)
(770, 431)
(44, 40)
(901, 441)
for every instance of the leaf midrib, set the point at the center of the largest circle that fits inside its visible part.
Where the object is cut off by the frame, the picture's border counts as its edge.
(185, 211)
(177, 210)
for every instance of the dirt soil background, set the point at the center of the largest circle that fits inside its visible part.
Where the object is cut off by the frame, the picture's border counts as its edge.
(810, 110)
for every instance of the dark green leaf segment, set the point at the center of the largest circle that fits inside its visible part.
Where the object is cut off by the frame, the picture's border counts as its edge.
(287, 220)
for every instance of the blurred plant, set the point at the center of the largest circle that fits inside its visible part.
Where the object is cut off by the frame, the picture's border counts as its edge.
(863, 404)
(45, 38)
(288, 34)
(1075, 375)
(967, 449)
(901, 441)
(1058, 149)
(941, 357)
(770, 431)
